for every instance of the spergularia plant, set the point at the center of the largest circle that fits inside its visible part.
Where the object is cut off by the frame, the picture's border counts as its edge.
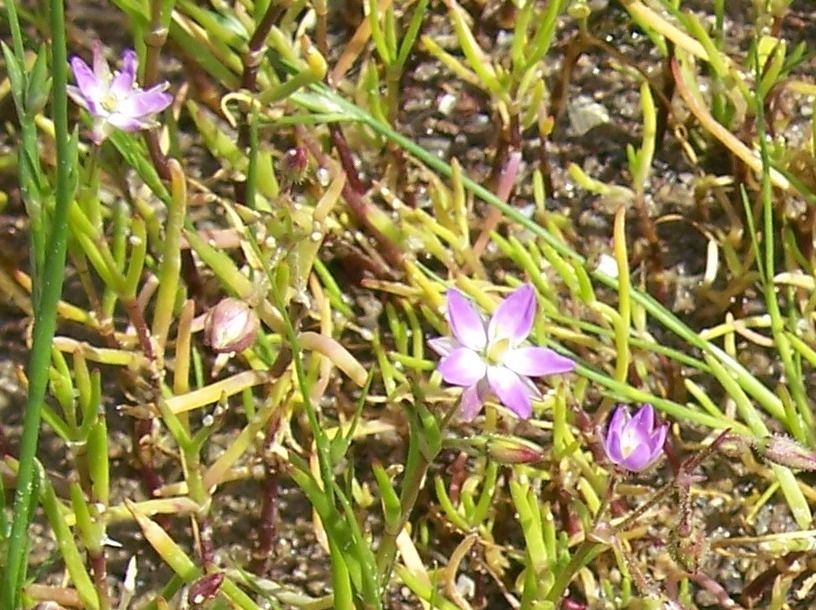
(635, 442)
(114, 100)
(490, 357)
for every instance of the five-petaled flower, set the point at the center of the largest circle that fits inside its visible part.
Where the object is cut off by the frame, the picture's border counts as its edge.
(635, 442)
(484, 357)
(114, 100)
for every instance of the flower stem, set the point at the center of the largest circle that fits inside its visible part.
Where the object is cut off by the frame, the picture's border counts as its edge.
(387, 550)
(154, 39)
(586, 552)
(46, 308)
(46, 311)
(251, 61)
(421, 452)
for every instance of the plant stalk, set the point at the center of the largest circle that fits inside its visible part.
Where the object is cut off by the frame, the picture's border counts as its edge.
(45, 316)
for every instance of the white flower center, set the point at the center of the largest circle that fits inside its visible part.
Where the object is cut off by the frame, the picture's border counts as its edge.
(629, 442)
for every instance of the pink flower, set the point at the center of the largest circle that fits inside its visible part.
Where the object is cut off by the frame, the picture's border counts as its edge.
(634, 442)
(489, 357)
(114, 100)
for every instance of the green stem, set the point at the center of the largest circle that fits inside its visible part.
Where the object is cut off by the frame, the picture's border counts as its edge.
(16, 32)
(793, 373)
(586, 552)
(170, 268)
(416, 468)
(45, 316)
(410, 492)
(588, 549)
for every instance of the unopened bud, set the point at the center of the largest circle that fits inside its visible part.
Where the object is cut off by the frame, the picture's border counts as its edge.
(295, 164)
(205, 589)
(785, 451)
(513, 450)
(231, 326)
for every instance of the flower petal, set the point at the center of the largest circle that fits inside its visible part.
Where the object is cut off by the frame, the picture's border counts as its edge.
(513, 319)
(658, 439)
(536, 361)
(466, 323)
(619, 420)
(510, 390)
(145, 103)
(612, 444)
(640, 459)
(75, 93)
(101, 130)
(462, 366)
(90, 86)
(126, 122)
(123, 82)
(443, 345)
(643, 421)
(471, 401)
(100, 65)
(532, 391)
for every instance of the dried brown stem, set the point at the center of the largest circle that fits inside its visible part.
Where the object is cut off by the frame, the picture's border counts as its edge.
(154, 40)
(255, 48)
(509, 142)
(204, 536)
(267, 528)
(764, 582)
(358, 207)
(206, 91)
(580, 44)
(545, 166)
(715, 589)
(346, 160)
(63, 596)
(576, 47)
(252, 60)
(321, 34)
(655, 256)
(665, 97)
(99, 571)
(142, 428)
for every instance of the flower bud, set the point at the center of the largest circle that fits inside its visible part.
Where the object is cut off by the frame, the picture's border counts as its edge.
(513, 450)
(635, 442)
(295, 165)
(231, 326)
(205, 589)
(785, 451)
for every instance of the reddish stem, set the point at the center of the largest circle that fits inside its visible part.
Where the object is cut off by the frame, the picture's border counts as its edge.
(358, 207)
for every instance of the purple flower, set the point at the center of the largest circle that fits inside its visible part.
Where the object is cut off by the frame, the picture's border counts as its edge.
(489, 357)
(114, 100)
(635, 442)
